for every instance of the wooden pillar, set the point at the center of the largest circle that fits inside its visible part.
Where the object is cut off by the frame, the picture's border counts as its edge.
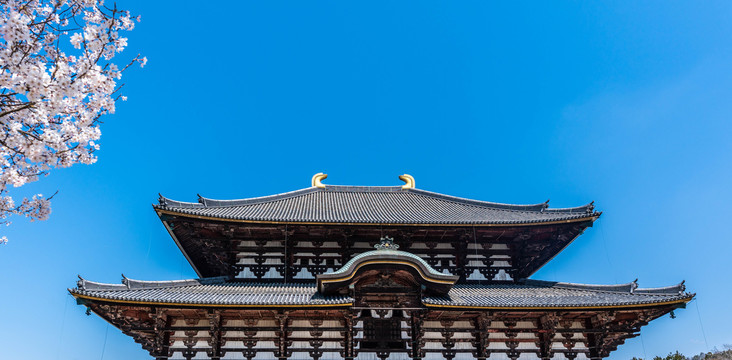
(190, 341)
(593, 343)
(569, 341)
(348, 343)
(315, 339)
(511, 343)
(448, 343)
(547, 325)
(161, 341)
(214, 340)
(461, 249)
(288, 254)
(416, 333)
(251, 338)
(282, 351)
(482, 324)
(346, 244)
(596, 341)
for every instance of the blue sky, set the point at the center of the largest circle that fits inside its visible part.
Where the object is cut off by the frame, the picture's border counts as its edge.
(624, 103)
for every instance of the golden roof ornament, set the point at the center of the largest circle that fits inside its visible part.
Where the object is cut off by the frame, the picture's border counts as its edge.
(317, 180)
(408, 179)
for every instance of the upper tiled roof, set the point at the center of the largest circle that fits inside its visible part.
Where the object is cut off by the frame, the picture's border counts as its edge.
(373, 205)
(539, 294)
(529, 294)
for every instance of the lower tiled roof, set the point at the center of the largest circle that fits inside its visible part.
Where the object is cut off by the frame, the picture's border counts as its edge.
(540, 294)
(528, 294)
(212, 291)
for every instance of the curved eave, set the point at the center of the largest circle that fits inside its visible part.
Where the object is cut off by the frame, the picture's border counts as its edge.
(351, 273)
(681, 301)
(674, 303)
(592, 217)
(677, 302)
(426, 273)
(79, 296)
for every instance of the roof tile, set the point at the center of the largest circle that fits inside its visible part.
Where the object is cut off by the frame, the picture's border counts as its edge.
(531, 293)
(378, 205)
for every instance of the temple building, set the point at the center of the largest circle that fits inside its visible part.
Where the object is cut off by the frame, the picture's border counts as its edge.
(356, 272)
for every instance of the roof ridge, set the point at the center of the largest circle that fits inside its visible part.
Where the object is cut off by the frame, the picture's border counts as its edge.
(209, 202)
(257, 200)
(587, 208)
(131, 284)
(166, 202)
(363, 188)
(622, 288)
(627, 288)
(679, 288)
(631, 287)
(481, 203)
(244, 282)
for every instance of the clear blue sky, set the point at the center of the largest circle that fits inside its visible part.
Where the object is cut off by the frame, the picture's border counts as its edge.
(625, 103)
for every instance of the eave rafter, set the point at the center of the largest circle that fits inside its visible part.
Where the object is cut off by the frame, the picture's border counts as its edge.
(214, 248)
(600, 331)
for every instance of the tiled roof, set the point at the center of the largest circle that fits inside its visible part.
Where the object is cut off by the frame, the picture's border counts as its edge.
(373, 204)
(529, 294)
(211, 291)
(535, 293)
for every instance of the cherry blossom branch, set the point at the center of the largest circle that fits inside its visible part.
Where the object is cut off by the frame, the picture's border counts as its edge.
(53, 96)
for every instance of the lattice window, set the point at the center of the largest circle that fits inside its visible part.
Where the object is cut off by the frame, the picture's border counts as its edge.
(382, 333)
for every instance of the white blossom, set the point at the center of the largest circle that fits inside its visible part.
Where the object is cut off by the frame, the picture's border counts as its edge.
(56, 81)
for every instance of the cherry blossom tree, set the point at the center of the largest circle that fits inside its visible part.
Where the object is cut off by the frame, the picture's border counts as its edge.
(56, 81)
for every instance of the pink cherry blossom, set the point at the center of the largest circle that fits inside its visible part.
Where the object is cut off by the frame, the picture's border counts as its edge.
(56, 81)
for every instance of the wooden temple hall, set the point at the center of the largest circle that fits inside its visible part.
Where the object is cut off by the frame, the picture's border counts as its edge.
(355, 272)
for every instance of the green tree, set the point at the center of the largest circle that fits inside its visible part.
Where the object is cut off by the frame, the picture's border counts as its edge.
(672, 356)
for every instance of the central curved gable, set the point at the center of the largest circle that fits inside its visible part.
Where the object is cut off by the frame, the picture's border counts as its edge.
(386, 260)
